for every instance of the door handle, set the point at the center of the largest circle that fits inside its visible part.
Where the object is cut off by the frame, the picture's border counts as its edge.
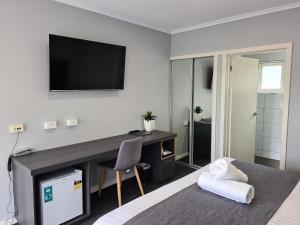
(255, 114)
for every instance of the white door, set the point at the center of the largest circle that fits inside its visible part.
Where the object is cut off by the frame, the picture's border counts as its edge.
(244, 77)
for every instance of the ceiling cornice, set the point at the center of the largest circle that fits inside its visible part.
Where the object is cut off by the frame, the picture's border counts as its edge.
(236, 18)
(81, 4)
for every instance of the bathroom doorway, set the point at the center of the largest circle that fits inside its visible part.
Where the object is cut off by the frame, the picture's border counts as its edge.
(257, 106)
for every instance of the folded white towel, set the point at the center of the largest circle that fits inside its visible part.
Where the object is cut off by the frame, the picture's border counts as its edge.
(224, 170)
(234, 190)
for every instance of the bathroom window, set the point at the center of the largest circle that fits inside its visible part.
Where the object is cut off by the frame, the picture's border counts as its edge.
(271, 78)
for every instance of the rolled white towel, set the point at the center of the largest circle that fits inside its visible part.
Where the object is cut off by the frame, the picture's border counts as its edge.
(234, 190)
(224, 170)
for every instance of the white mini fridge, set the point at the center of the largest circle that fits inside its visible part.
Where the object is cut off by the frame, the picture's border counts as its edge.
(61, 197)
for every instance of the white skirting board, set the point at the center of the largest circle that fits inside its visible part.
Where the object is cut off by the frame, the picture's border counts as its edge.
(177, 157)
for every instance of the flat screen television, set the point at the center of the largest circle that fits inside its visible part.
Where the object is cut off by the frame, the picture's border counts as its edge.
(77, 64)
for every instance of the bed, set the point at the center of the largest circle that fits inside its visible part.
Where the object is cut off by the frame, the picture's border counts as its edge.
(277, 202)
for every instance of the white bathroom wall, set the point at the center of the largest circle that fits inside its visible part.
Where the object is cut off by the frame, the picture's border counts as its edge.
(268, 125)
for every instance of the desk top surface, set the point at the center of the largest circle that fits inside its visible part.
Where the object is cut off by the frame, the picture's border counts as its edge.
(42, 161)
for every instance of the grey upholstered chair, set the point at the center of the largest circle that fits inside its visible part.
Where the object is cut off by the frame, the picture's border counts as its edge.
(128, 157)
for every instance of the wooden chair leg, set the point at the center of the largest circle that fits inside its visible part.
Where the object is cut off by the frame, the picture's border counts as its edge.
(101, 180)
(121, 176)
(119, 183)
(138, 180)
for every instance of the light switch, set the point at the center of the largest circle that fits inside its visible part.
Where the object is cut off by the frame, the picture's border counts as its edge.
(50, 125)
(72, 122)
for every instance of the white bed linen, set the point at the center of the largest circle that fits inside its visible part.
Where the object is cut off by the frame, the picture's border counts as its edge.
(287, 214)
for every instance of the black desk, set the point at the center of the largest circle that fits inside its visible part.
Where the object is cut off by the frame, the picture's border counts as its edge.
(30, 169)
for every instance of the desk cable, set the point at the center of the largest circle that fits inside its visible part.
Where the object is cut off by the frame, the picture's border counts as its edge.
(10, 187)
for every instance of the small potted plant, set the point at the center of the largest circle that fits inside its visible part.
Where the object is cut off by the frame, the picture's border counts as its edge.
(149, 121)
(198, 110)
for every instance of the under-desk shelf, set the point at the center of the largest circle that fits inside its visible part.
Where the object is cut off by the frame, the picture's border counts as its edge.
(167, 148)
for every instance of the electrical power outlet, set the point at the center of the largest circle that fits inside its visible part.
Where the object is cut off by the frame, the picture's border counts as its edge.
(16, 128)
(72, 122)
(50, 125)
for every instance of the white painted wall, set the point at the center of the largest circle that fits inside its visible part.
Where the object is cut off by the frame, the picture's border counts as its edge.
(24, 72)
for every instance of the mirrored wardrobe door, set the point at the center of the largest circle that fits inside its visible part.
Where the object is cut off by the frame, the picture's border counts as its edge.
(181, 101)
(202, 110)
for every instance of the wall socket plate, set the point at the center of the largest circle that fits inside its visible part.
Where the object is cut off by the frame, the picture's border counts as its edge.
(16, 128)
(49, 125)
(72, 122)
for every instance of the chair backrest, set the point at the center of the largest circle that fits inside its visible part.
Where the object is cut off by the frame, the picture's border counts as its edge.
(129, 154)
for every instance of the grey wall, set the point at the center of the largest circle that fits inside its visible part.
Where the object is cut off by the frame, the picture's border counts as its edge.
(263, 30)
(24, 95)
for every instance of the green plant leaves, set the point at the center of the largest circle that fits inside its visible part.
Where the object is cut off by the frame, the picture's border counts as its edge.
(149, 116)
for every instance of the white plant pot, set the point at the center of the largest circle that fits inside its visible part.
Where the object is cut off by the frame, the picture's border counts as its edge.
(197, 117)
(149, 125)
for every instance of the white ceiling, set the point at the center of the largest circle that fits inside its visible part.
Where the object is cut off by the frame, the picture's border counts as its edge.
(174, 16)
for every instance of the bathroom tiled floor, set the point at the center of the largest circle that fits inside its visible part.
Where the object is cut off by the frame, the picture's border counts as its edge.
(267, 162)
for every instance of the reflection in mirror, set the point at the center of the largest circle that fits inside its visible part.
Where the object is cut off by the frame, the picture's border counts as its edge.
(202, 101)
(181, 97)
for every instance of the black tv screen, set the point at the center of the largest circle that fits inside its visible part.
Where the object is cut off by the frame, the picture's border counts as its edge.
(209, 79)
(77, 64)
